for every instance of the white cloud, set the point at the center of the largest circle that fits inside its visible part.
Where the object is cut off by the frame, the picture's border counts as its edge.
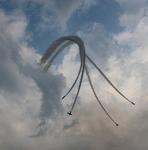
(134, 10)
(129, 72)
(27, 93)
(54, 13)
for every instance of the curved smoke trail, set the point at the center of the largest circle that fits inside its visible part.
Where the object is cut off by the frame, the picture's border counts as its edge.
(65, 42)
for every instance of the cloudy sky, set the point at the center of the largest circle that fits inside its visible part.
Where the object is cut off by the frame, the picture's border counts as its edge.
(32, 114)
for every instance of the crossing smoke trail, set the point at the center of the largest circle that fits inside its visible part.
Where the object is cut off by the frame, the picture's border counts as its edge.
(56, 48)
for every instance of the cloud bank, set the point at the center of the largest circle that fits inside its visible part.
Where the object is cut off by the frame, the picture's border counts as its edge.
(30, 99)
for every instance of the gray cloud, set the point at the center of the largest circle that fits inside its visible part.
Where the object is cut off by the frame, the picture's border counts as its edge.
(72, 124)
(16, 73)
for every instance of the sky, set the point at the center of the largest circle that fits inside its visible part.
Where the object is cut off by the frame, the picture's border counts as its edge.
(32, 114)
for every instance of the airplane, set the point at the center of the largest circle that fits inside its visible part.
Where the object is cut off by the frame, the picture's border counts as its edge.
(69, 113)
